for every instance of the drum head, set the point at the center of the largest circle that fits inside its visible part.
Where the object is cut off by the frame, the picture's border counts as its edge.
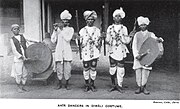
(40, 58)
(152, 45)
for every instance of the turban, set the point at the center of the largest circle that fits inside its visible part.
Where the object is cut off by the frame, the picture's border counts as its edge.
(143, 20)
(119, 12)
(14, 25)
(88, 14)
(65, 15)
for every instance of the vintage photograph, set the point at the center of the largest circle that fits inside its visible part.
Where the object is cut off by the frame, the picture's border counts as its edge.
(90, 49)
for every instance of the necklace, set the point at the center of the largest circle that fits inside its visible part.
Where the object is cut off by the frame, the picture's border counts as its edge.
(91, 41)
(117, 38)
(94, 30)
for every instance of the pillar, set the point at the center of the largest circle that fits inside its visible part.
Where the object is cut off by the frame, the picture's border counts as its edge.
(49, 19)
(105, 22)
(32, 20)
(105, 15)
(179, 41)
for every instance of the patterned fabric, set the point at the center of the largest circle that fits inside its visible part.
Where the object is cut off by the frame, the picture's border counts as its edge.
(90, 40)
(88, 14)
(114, 62)
(90, 64)
(117, 38)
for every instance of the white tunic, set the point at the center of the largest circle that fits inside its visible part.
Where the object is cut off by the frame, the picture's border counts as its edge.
(117, 38)
(63, 49)
(136, 52)
(90, 50)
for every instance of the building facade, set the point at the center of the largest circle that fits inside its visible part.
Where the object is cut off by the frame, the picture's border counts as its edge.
(36, 18)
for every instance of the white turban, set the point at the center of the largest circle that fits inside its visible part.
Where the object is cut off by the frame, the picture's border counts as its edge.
(143, 20)
(65, 15)
(119, 12)
(88, 14)
(14, 25)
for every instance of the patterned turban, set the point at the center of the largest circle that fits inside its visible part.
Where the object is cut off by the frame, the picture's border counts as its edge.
(88, 14)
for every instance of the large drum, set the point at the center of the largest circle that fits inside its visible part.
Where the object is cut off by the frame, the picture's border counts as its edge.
(154, 49)
(39, 58)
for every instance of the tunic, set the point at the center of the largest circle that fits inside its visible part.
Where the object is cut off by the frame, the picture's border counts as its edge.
(139, 37)
(90, 39)
(62, 38)
(117, 38)
(18, 62)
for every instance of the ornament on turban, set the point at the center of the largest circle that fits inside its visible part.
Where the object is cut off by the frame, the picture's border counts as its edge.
(119, 12)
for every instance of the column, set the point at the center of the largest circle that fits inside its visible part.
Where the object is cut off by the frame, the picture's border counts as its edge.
(179, 41)
(32, 20)
(106, 15)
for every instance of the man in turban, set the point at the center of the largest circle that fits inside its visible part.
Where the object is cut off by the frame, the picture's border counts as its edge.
(90, 42)
(63, 53)
(142, 72)
(117, 38)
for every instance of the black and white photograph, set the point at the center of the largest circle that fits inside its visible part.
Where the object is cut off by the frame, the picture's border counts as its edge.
(102, 54)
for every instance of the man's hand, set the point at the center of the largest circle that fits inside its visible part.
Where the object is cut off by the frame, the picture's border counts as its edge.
(160, 39)
(58, 25)
(140, 56)
(55, 26)
(132, 33)
(103, 35)
(26, 59)
(76, 35)
(21, 57)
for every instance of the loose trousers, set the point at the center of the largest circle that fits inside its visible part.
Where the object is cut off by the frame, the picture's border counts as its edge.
(142, 76)
(19, 72)
(63, 69)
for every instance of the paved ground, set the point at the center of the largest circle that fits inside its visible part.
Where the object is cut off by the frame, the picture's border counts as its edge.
(164, 84)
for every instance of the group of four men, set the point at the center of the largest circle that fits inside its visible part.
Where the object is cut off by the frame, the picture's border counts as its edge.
(90, 38)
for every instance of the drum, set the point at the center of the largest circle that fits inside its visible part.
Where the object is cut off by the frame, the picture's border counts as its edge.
(39, 58)
(161, 49)
(154, 49)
